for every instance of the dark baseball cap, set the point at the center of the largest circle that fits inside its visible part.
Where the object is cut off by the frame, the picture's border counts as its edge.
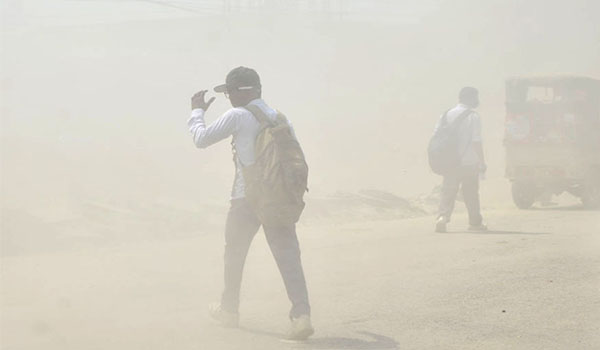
(240, 78)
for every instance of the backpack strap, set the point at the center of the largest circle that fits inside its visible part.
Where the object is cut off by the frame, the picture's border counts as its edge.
(461, 117)
(444, 119)
(258, 113)
(457, 122)
(281, 118)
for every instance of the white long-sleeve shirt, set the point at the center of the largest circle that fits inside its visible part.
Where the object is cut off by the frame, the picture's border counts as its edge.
(236, 122)
(469, 132)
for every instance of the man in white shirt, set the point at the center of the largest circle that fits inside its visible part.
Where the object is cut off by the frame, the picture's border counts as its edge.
(472, 162)
(243, 88)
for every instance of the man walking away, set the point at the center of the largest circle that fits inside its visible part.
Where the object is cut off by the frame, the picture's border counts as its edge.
(465, 124)
(247, 119)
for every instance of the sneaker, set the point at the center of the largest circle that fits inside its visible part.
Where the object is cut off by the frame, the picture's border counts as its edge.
(440, 225)
(300, 329)
(225, 318)
(478, 228)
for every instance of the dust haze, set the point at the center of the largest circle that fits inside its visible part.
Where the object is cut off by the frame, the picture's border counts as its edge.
(112, 221)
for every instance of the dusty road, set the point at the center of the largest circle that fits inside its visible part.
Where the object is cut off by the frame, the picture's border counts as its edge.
(533, 284)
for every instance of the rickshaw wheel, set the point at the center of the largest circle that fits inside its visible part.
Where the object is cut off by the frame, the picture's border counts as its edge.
(591, 197)
(523, 194)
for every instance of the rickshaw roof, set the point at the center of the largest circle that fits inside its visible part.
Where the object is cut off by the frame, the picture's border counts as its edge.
(555, 80)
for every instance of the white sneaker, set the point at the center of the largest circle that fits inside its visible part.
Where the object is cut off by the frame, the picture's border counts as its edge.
(300, 329)
(440, 225)
(225, 318)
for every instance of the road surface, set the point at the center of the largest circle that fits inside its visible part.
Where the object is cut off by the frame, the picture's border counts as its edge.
(531, 283)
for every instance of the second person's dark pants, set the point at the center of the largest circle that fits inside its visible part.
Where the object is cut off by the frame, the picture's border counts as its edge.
(240, 228)
(467, 178)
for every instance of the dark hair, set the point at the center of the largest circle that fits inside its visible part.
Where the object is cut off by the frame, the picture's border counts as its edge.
(469, 96)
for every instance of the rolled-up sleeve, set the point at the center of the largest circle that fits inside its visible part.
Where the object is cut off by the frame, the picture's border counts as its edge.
(220, 129)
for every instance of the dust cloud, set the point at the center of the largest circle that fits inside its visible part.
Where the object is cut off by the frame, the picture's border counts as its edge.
(95, 96)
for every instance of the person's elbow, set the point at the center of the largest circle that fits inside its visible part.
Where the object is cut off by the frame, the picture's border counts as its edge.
(201, 141)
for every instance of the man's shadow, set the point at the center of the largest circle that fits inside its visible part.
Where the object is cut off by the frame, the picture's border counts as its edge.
(376, 341)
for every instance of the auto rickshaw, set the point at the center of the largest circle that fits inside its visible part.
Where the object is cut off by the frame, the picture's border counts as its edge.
(552, 138)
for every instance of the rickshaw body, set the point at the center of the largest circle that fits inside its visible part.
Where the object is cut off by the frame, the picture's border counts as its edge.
(552, 138)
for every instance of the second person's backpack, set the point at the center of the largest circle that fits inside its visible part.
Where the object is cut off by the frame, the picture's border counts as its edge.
(276, 182)
(443, 152)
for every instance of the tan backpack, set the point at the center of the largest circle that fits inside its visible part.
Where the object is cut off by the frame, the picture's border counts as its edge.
(276, 182)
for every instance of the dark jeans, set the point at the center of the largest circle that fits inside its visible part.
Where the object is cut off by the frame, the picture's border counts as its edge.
(466, 177)
(241, 227)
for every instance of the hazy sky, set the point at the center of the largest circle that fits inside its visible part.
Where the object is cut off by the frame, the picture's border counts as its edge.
(95, 94)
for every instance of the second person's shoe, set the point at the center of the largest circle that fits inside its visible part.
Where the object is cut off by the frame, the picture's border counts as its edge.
(440, 225)
(225, 318)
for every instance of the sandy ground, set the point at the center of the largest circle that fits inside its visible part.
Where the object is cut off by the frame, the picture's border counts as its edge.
(530, 283)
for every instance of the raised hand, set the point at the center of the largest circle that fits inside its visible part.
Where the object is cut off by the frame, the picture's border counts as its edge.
(199, 102)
